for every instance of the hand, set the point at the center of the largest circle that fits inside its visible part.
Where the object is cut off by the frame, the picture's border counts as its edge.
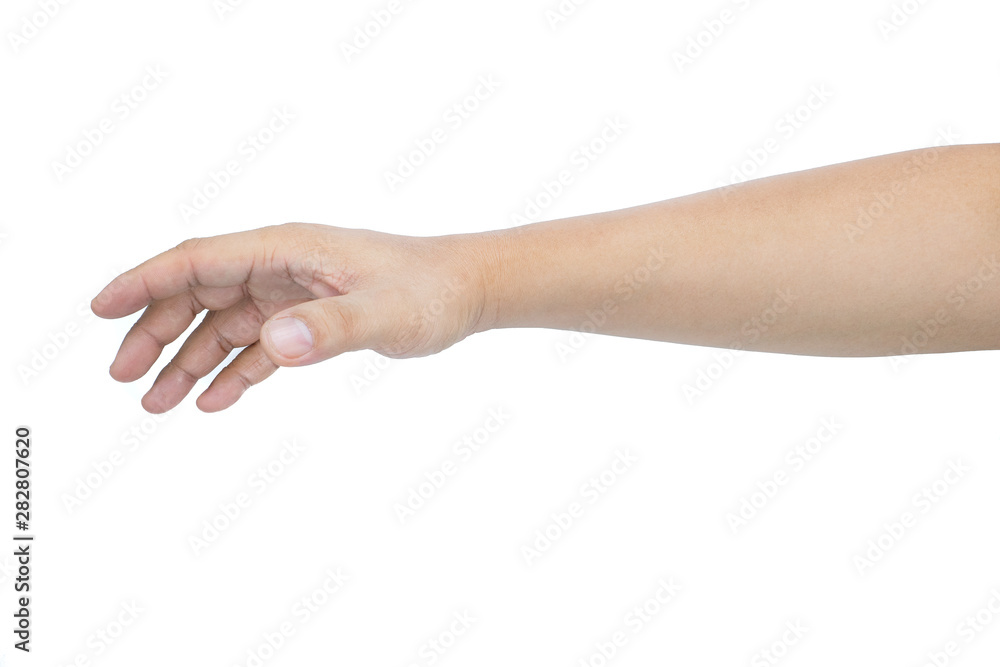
(291, 295)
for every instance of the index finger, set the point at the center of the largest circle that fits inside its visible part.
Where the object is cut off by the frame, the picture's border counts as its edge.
(216, 261)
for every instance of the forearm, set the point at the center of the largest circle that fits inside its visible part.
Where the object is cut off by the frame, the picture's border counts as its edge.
(846, 260)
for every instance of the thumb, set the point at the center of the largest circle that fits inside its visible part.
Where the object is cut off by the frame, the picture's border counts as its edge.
(323, 328)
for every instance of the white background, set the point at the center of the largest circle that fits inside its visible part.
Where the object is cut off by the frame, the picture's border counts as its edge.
(366, 445)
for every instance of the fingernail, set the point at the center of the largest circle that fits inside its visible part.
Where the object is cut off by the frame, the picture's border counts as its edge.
(290, 337)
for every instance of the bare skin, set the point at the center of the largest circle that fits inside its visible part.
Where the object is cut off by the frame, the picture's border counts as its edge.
(854, 259)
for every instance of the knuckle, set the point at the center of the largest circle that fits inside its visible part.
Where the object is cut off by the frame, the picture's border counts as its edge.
(189, 244)
(407, 343)
(177, 366)
(410, 335)
(219, 336)
(339, 322)
(259, 367)
(243, 379)
(150, 334)
(347, 322)
(295, 230)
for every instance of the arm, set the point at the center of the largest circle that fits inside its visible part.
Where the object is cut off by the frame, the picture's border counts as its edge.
(851, 260)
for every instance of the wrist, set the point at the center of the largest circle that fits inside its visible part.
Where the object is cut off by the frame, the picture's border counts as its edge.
(526, 276)
(491, 255)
